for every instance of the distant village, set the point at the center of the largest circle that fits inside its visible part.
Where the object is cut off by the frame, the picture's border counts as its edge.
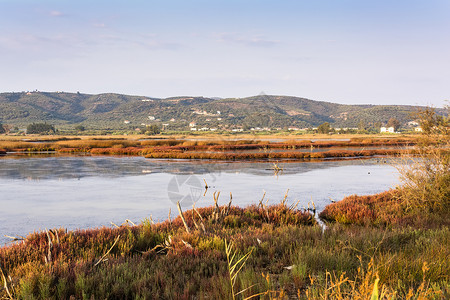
(217, 117)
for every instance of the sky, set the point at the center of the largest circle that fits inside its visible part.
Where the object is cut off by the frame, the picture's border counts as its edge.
(342, 51)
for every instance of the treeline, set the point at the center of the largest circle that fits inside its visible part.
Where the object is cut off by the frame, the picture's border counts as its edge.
(40, 128)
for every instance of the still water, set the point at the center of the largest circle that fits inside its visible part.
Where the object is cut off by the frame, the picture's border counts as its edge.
(85, 192)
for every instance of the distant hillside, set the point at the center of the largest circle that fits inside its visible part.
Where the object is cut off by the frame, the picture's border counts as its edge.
(117, 111)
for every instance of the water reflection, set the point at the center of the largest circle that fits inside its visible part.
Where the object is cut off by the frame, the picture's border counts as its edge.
(69, 167)
(84, 191)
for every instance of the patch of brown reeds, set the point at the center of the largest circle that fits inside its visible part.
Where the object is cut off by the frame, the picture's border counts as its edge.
(245, 145)
(117, 151)
(384, 208)
(208, 149)
(97, 143)
(274, 155)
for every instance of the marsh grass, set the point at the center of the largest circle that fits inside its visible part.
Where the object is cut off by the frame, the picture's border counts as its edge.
(204, 149)
(275, 155)
(286, 255)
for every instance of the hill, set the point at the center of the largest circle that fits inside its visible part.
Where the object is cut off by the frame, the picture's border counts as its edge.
(116, 111)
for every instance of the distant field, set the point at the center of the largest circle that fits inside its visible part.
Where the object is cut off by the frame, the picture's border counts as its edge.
(206, 136)
(217, 147)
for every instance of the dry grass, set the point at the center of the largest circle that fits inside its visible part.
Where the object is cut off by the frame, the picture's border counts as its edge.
(208, 149)
(273, 155)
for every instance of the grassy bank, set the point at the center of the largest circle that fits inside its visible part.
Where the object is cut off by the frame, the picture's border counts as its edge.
(288, 256)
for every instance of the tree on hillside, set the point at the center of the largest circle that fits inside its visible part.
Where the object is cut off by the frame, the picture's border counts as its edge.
(152, 129)
(362, 126)
(324, 128)
(377, 126)
(40, 128)
(80, 128)
(393, 122)
(432, 122)
(2, 129)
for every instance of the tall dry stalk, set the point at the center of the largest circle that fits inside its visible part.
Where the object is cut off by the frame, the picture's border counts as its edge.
(235, 265)
(9, 292)
(182, 217)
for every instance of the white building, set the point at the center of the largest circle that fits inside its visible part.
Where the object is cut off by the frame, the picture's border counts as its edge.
(387, 130)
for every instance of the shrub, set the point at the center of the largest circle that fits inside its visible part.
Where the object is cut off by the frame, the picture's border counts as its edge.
(40, 128)
(426, 179)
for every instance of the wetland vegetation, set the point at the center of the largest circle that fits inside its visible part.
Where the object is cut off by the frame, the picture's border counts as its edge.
(219, 149)
(393, 245)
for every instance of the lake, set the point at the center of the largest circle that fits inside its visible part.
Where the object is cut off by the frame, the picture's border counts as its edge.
(90, 191)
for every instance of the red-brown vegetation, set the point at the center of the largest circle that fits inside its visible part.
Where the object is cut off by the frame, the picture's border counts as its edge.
(202, 149)
(275, 155)
(382, 209)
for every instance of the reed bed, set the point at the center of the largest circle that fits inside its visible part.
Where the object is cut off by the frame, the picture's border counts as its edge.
(276, 155)
(110, 145)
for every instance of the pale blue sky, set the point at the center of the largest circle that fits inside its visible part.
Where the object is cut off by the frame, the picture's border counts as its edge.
(344, 51)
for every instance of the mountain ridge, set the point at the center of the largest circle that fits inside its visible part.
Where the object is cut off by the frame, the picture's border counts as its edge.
(112, 110)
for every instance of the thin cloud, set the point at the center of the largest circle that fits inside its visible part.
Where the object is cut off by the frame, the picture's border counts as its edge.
(99, 25)
(253, 41)
(56, 13)
(148, 41)
(41, 43)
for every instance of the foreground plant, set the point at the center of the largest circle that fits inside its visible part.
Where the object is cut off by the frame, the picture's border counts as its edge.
(235, 265)
(423, 198)
(426, 179)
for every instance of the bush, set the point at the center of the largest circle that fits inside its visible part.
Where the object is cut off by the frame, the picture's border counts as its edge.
(40, 128)
(426, 179)
(80, 128)
(152, 129)
(324, 128)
